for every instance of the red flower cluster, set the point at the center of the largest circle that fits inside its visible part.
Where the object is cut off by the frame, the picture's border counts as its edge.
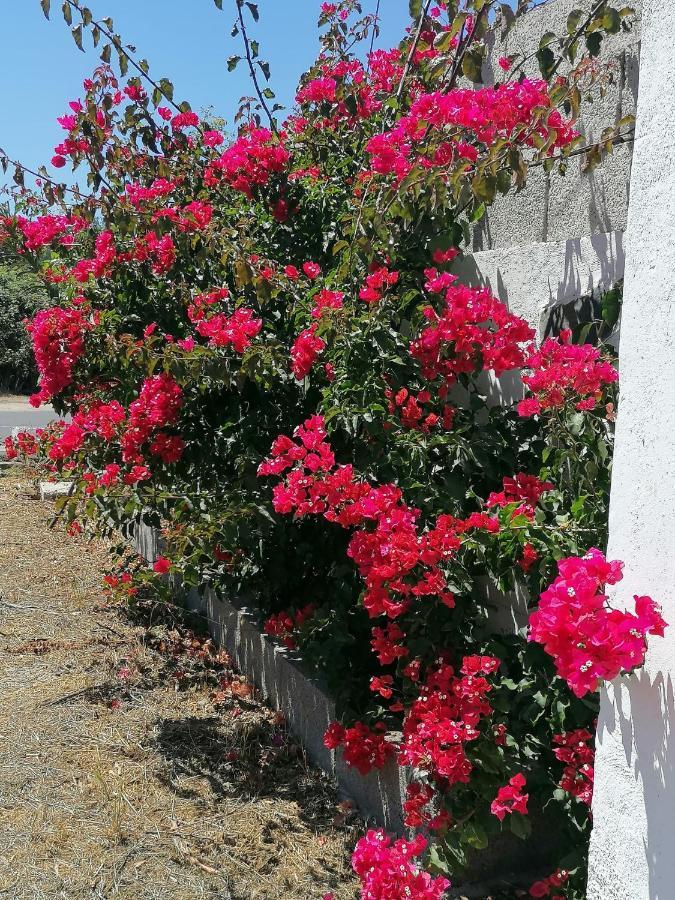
(222, 330)
(377, 283)
(159, 251)
(157, 406)
(306, 347)
(445, 716)
(194, 216)
(44, 230)
(417, 813)
(24, 443)
(409, 408)
(576, 751)
(510, 798)
(249, 162)
(58, 337)
(525, 490)
(390, 871)
(100, 264)
(160, 187)
(283, 624)
(398, 562)
(519, 110)
(561, 372)
(318, 90)
(326, 299)
(548, 887)
(474, 332)
(589, 641)
(362, 747)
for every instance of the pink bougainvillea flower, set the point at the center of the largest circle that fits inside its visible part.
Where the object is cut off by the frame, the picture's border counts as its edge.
(510, 798)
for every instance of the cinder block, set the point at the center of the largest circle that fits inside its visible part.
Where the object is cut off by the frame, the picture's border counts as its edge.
(575, 204)
(517, 218)
(582, 203)
(533, 278)
(52, 490)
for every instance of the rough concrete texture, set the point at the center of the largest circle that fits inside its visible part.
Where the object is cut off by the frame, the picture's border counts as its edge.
(557, 207)
(631, 846)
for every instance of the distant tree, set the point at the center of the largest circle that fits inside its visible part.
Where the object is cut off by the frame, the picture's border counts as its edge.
(21, 295)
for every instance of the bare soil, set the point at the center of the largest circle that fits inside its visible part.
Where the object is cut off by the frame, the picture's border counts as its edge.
(133, 762)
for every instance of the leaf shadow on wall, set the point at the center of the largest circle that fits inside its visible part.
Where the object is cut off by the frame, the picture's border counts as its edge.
(647, 738)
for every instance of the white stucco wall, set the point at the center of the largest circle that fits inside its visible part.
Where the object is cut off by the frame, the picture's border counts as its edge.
(633, 842)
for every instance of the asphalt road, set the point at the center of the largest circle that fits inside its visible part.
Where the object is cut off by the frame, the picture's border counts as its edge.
(16, 412)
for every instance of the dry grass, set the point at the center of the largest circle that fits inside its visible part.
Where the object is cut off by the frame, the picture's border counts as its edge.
(119, 775)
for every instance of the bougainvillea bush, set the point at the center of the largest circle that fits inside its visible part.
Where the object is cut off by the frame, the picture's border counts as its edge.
(262, 347)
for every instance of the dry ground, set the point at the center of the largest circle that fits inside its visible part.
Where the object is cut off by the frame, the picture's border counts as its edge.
(119, 774)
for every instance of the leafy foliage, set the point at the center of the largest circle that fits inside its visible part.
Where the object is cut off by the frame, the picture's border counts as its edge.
(216, 294)
(22, 293)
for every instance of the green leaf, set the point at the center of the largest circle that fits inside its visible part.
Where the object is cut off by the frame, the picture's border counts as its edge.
(504, 181)
(233, 62)
(67, 13)
(472, 66)
(485, 187)
(219, 3)
(474, 835)
(438, 862)
(166, 87)
(547, 39)
(520, 826)
(253, 7)
(573, 20)
(593, 43)
(77, 36)
(546, 60)
(611, 21)
(415, 8)
(105, 54)
(45, 4)
(265, 69)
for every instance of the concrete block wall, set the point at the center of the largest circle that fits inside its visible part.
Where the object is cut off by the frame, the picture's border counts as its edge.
(557, 207)
(562, 236)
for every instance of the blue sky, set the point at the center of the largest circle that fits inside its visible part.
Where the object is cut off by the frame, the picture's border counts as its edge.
(187, 41)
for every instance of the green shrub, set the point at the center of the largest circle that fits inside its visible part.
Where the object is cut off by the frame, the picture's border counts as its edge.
(21, 295)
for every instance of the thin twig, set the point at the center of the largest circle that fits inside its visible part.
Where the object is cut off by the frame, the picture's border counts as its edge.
(413, 47)
(577, 34)
(462, 48)
(56, 184)
(251, 67)
(115, 41)
(376, 19)
(620, 138)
